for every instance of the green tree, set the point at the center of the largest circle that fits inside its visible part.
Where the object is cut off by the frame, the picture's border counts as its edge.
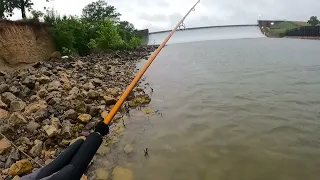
(36, 15)
(99, 11)
(6, 8)
(313, 20)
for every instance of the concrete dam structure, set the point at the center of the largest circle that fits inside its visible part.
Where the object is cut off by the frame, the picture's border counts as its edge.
(207, 33)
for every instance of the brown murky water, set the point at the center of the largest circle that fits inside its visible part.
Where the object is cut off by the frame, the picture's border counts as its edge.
(230, 109)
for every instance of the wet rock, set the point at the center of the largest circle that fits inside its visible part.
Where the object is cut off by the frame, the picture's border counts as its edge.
(17, 119)
(132, 104)
(32, 126)
(120, 173)
(4, 114)
(50, 130)
(44, 79)
(17, 106)
(128, 149)
(102, 174)
(104, 114)
(42, 93)
(103, 150)
(93, 94)
(20, 167)
(84, 118)
(54, 86)
(142, 99)
(94, 111)
(37, 148)
(66, 131)
(4, 88)
(5, 146)
(110, 100)
(41, 114)
(8, 97)
(29, 82)
(71, 114)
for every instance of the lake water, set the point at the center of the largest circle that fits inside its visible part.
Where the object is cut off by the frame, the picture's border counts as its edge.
(242, 109)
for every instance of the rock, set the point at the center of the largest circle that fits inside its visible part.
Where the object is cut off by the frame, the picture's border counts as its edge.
(17, 119)
(42, 93)
(5, 146)
(102, 174)
(66, 131)
(14, 156)
(7, 130)
(110, 100)
(81, 108)
(138, 89)
(120, 173)
(128, 149)
(55, 122)
(81, 137)
(54, 86)
(142, 99)
(8, 97)
(55, 55)
(48, 161)
(74, 91)
(14, 90)
(104, 114)
(16, 178)
(29, 81)
(103, 150)
(20, 167)
(132, 104)
(4, 114)
(37, 148)
(71, 114)
(41, 114)
(44, 79)
(17, 106)
(50, 130)
(54, 101)
(32, 126)
(4, 88)
(34, 107)
(88, 86)
(93, 94)
(34, 98)
(147, 110)
(114, 92)
(84, 118)
(90, 125)
(96, 82)
(24, 92)
(84, 177)
(94, 111)
(2, 104)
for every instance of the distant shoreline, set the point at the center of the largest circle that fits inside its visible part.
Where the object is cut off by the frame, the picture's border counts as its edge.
(304, 37)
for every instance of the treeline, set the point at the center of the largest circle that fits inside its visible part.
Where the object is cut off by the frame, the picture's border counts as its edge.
(98, 28)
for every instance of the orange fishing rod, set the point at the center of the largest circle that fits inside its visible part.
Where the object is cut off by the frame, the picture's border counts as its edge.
(134, 82)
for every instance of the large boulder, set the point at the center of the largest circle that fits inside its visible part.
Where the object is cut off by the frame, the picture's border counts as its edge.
(20, 167)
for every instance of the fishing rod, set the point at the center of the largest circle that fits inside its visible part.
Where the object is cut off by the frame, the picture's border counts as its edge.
(134, 82)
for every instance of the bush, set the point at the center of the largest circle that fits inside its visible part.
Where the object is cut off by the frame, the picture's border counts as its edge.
(108, 36)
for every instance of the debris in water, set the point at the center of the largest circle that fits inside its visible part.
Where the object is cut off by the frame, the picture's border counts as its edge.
(146, 153)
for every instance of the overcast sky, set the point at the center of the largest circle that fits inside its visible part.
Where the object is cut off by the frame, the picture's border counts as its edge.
(164, 14)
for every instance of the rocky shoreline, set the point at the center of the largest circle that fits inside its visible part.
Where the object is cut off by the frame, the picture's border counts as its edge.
(43, 109)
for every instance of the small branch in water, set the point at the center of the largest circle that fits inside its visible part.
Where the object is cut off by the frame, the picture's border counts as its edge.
(21, 151)
(146, 153)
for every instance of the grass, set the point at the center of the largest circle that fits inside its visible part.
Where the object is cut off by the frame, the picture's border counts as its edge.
(281, 28)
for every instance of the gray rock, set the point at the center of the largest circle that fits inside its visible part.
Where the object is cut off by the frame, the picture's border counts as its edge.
(96, 82)
(109, 100)
(32, 126)
(17, 106)
(66, 131)
(14, 90)
(37, 148)
(14, 156)
(17, 119)
(41, 114)
(94, 111)
(4, 88)
(90, 125)
(71, 114)
(24, 91)
(29, 81)
(93, 94)
(8, 97)
(54, 86)
(54, 101)
(7, 130)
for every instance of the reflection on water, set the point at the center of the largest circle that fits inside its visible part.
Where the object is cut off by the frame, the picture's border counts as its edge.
(232, 109)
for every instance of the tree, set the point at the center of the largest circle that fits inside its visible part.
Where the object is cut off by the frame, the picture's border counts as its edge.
(99, 11)
(6, 8)
(313, 20)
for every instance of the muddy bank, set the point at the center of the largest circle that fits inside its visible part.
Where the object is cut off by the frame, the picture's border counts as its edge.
(304, 37)
(46, 107)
